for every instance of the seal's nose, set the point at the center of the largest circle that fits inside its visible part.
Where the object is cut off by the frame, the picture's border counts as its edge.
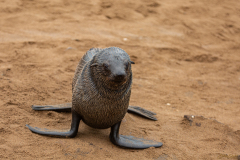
(120, 77)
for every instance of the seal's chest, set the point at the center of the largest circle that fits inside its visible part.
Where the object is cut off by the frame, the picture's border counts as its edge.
(103, 113)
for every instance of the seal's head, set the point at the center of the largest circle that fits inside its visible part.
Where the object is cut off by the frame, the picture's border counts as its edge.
(113, 66)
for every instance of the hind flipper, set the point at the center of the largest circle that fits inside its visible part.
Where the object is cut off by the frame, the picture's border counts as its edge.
(70, 134)
(142, 112)
(130, 141)
(66, 107)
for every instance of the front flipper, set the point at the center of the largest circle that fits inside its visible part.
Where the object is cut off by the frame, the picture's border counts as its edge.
(71, 133)
(130, 141)
(66, 107)
(142, 112)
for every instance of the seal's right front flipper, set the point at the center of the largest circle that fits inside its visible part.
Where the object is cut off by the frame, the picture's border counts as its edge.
(71, 133)
(142, 112)
(66, 107)
(130, 141)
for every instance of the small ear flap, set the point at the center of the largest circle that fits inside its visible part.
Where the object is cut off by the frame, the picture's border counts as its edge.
(132, 62)
(94, 64)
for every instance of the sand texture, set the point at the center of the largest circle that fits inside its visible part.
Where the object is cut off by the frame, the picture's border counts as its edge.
(187, 55)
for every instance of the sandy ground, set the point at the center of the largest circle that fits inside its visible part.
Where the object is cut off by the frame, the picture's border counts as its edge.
(187, 55)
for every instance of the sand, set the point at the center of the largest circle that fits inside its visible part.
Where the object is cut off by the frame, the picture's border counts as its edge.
(187, 55)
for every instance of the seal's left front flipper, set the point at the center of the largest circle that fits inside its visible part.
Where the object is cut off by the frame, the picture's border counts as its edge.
(130, 141)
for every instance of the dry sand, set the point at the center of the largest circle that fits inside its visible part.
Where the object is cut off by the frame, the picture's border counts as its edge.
(187, 55)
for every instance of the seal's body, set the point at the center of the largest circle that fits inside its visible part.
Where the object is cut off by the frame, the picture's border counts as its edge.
(102, 87)
(101, 91)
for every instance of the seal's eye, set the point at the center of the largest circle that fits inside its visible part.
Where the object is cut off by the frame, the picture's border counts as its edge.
(106, 67)
(126, 65)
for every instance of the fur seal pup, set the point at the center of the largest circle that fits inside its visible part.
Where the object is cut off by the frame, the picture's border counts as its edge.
(101, 91)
